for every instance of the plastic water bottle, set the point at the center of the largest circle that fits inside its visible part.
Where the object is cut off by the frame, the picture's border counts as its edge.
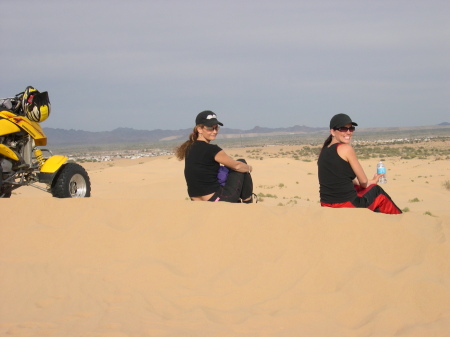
(381, 169)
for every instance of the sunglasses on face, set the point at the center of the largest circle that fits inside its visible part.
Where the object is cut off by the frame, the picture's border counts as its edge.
(345, 129)
(212, 128)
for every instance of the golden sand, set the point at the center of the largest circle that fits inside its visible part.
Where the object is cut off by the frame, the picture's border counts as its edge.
(138, 259)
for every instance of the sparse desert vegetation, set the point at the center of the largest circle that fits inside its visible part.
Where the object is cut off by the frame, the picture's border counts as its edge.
(428, 148)
(421, 143)
(446, 185)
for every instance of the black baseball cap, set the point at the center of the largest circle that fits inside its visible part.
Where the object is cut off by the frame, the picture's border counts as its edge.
(207, 118)
(340, 120)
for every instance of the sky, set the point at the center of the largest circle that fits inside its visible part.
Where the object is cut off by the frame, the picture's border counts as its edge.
(155, 64)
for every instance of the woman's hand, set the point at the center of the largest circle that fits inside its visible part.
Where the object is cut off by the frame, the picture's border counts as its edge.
(375, 179)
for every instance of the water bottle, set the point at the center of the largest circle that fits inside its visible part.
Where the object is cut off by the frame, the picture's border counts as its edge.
(381, 169)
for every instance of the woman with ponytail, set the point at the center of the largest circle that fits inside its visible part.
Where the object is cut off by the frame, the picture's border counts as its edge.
(342, 180)
(204, 160)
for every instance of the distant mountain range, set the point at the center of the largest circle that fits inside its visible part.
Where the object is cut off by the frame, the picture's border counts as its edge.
(62, 137)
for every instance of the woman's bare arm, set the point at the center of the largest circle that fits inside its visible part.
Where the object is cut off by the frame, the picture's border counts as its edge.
(347, 153)
(235, 165)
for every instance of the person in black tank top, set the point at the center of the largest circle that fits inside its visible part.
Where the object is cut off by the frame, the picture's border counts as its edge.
(342, 180)
(204, 161)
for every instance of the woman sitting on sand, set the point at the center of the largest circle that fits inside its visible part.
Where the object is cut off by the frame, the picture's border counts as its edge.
(202, 163)
(342, 180)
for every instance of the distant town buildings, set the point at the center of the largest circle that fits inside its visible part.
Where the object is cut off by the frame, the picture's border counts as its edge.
(110, 156)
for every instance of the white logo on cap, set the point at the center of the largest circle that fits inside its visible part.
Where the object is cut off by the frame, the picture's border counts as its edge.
(211, 116)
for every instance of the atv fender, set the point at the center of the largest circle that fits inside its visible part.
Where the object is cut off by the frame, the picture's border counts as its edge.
(53, 164)
(50, 168)
(7, 152)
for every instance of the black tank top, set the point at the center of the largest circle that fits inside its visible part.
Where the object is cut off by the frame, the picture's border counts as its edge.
(335, 177)
(200, 169)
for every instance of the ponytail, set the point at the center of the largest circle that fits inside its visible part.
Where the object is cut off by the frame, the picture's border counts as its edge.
(182, 150)
(325, 144)
(327, 141)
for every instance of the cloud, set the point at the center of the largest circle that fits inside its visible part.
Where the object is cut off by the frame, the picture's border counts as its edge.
(109, 64)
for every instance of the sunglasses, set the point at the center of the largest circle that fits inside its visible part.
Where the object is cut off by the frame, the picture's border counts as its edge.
(212, 128)
(345, 129)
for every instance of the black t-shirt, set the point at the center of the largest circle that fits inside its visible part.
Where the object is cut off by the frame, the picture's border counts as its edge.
(201, 169)
(335, 177)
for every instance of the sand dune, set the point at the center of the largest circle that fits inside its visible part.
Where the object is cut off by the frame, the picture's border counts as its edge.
(138, 259)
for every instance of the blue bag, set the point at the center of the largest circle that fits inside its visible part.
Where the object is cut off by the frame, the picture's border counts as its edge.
(222, 175)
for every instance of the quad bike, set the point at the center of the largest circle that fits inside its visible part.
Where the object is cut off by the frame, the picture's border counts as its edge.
(22, 163)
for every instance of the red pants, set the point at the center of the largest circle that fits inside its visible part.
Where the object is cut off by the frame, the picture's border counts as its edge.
(372, 197)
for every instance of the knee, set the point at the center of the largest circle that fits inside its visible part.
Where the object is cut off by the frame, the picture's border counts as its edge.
(242, 160)
(378, 188)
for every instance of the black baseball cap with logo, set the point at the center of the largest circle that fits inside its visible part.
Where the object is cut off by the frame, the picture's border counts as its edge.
(207, 118)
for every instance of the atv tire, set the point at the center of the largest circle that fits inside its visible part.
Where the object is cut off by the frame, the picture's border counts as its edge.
(72, 181)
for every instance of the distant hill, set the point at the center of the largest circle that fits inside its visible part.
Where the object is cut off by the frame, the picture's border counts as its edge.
(62, 137)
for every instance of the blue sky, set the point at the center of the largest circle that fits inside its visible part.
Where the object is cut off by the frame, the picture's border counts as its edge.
(156, 64)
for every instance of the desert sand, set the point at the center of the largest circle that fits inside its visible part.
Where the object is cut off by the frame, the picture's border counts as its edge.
(138, 259)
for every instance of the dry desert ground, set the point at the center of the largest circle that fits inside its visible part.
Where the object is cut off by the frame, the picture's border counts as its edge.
(138, 259)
